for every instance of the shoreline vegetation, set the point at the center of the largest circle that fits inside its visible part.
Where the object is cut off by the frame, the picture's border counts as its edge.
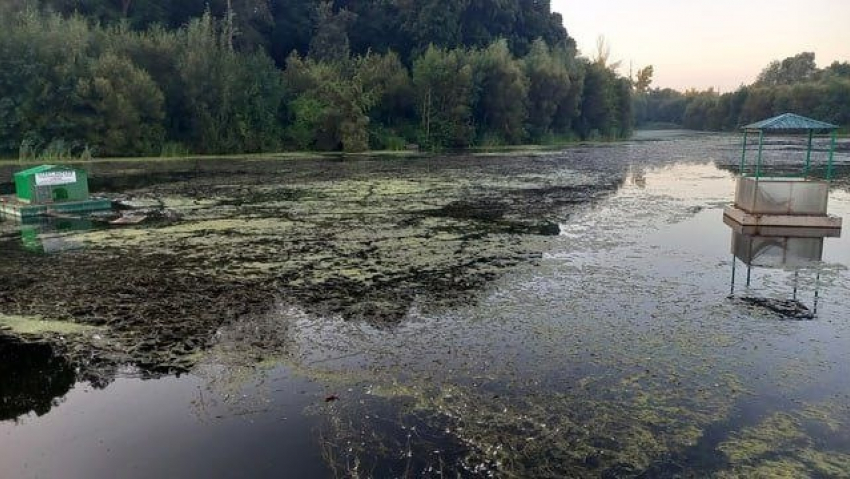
(523, 149)
(795, 84)
(503, 150)
(86, 84)
(214, 79)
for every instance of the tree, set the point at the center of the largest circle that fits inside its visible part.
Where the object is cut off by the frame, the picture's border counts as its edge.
(443, 83)
(549, 87)
(124, 107)
(598, 106)
(393, 114)
(501, 90)
(603, 54)
(644, 79)
(799, 68)
(41, 59)
(127, 76)
(330, 42)
(836, 70)
(292, 30)
(232, 99)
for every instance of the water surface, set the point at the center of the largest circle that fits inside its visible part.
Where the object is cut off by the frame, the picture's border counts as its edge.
(613, 349)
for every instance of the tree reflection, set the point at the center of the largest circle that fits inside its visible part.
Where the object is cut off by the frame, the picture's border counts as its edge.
(33, 378)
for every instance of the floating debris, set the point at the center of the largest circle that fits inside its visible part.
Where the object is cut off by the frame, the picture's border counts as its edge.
(787, 308)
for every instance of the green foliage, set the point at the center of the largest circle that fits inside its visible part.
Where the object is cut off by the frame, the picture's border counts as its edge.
(501, 92)
(307, 113)
(381, 138)
(443, 82)
(600, 116)
(549, 88)
(233, 99)
(334, 99)
(644, 79)
(136, 77)
(792, 85)
(330, 43)
(799, 68)
(41, 58)
(173, 150)
(125, 107)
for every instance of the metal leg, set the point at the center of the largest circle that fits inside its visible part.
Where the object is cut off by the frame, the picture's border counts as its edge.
(732, 288)
(796, 282)
(817, 291)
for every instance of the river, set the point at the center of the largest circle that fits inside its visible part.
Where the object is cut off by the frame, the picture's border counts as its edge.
(562, 313)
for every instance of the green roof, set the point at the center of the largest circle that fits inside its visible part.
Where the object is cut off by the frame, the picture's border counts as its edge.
(41, 169)
(790, 121)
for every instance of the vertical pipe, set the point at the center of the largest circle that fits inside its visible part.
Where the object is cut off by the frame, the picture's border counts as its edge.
(758, 174)
(749, 271)
(743, 155)
(831, 155)
(761, 148)
(732, 288)
(817, 290)
(796, 282)
(809, 154)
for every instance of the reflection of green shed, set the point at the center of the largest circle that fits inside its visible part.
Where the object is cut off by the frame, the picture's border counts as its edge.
(51, 184)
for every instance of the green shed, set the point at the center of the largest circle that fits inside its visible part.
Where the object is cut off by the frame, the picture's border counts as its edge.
(48, 184)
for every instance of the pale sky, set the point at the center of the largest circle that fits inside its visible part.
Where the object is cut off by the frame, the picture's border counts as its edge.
(709, 43)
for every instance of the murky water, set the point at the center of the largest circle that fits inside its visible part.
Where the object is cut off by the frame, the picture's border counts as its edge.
(613, 349)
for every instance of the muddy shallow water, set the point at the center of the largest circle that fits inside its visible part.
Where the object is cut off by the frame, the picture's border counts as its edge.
(560, 314)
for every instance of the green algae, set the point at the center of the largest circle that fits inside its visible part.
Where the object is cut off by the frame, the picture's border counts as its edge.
(34, 325)
(514, 435)
(784, 445)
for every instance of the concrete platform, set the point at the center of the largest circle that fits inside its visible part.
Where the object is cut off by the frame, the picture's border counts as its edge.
(782, 231)
(12, 209)
(745, 219)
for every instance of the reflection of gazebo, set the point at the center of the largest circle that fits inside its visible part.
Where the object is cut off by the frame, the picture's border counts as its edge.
(798, 199)
(787, 248)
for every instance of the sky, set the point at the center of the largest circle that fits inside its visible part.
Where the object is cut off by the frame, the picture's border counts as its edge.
(700, 44)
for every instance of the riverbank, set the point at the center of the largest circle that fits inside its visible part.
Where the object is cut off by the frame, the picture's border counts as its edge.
(383, 154)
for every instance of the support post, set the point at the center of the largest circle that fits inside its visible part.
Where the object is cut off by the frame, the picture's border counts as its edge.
(831, 155)
(758, 161)
(796, 282)
(743, 155)
(809, 154)
(817, 291)
(732, 288)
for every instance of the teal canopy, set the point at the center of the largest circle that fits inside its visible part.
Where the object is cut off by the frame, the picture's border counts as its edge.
(790, 121)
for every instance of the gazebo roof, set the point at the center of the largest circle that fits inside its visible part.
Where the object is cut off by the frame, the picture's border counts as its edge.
(790, 121)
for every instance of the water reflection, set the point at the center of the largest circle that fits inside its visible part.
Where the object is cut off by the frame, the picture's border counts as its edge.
(49, 236)
(798, 251)
(32, 378)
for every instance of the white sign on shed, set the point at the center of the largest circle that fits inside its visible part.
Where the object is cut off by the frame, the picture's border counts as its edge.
(54, 178)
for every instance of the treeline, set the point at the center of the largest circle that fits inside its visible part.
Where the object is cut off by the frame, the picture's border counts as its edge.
(793, 85)
(70, 84)
(280, 27)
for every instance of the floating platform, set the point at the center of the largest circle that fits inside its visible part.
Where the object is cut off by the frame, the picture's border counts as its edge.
(13, 209)
(746, 219)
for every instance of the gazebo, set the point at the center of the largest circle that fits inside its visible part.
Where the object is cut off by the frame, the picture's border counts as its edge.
(795, 200)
